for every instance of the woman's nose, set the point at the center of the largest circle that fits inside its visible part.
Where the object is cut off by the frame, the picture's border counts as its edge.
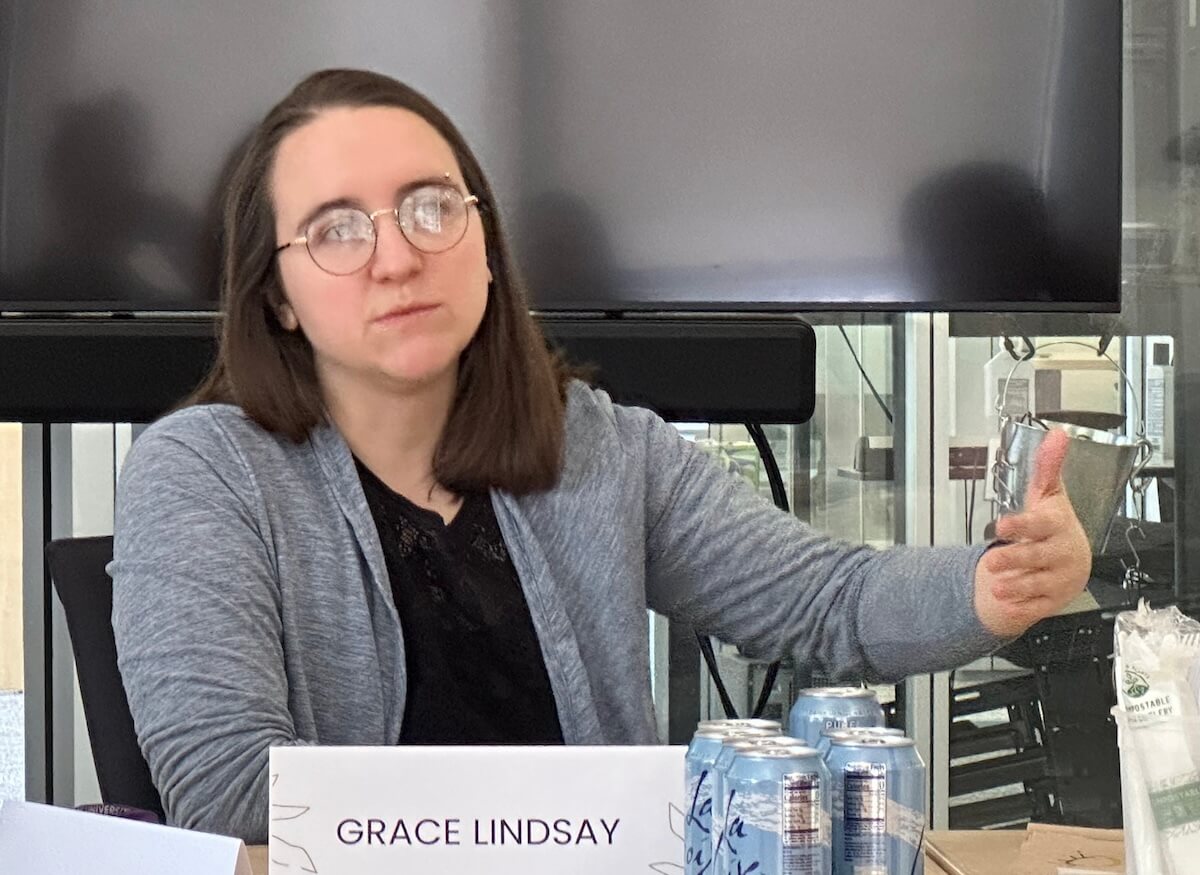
(394, 255)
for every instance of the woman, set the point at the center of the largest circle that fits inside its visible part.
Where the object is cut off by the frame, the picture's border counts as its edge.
(390, 516)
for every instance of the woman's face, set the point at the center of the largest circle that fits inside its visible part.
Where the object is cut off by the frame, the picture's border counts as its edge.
(404, 318)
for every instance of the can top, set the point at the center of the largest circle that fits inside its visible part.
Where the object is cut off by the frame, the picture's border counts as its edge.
(756, 722)
(886, 741)
(744, 743)
(779, 753)
(735, 732)
(838, 693)
(834, 731)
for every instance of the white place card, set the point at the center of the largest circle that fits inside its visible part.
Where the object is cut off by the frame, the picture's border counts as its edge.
(45, 840)
(459, 810)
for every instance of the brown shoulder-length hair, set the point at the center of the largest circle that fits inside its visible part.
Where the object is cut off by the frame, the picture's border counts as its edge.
(506, 428)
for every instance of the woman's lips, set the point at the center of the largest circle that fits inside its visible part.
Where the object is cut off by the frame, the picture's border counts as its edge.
(405, 314)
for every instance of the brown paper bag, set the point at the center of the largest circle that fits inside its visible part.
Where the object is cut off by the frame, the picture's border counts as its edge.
(1048, 848)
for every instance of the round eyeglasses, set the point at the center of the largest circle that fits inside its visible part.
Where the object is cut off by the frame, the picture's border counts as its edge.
(341, 240)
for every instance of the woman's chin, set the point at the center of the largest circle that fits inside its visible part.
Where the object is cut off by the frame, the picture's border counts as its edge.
(421, 373)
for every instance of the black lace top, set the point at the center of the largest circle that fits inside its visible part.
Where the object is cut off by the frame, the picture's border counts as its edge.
(476, 674)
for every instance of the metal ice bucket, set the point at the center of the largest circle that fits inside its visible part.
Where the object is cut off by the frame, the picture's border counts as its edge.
(1098, 467)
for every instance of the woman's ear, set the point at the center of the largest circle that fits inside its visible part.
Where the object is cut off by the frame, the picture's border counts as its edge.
(287, 317)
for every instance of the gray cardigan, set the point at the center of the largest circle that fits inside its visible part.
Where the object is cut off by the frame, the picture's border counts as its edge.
(252, 606)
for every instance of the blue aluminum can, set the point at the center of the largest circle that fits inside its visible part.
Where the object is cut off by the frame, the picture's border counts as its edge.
(832, 707)
(827, 735)
(729, 749)
(878, 805)
(701, 761)
(778, 817)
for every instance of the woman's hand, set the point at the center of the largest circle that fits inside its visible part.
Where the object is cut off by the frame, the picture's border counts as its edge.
(1043, 558)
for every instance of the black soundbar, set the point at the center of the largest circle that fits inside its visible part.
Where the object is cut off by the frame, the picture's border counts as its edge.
(710, 369)
(100, 370)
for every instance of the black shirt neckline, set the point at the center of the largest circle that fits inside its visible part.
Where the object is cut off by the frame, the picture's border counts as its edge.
(422, 516)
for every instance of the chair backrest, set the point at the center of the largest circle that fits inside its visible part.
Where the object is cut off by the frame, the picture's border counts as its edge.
(77, 567)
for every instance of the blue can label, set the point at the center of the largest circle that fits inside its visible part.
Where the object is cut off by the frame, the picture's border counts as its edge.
(865, 815)
(801, 824)
(776, 831)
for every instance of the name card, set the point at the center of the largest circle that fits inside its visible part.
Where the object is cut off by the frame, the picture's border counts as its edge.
(451, 810)
(45, 840)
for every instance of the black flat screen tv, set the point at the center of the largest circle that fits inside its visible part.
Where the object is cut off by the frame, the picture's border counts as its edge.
(684, 155)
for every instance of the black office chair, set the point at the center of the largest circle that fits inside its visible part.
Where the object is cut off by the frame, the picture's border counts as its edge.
(77, 567)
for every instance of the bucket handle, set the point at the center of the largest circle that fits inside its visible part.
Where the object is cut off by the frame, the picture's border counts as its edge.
(1002, 400)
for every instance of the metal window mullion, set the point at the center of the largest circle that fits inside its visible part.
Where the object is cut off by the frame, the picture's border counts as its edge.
(61, 661)
(35, 619)
(913, 475)
(943, 522)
